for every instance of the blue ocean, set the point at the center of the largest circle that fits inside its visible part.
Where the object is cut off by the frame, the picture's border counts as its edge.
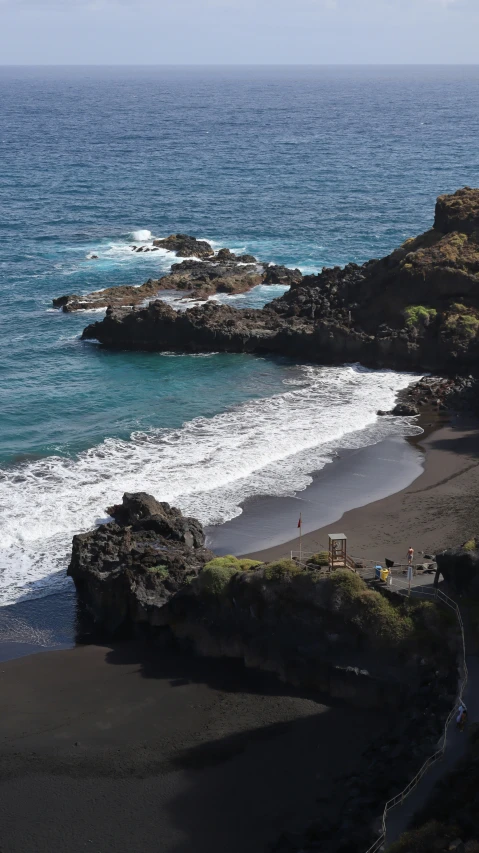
(304, 166)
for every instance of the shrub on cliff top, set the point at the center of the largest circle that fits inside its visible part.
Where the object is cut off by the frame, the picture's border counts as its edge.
(240, 564)
(345, 585)
(371, 612)
(280, 569)
(376, 614)
(319, 559)
(214, 580)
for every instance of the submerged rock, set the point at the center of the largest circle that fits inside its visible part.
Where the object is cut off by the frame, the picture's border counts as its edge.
(127, 569)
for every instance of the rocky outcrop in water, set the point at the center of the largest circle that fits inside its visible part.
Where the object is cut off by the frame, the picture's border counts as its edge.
(225, 273)
(416, 309)
(127, 569)
(185, 246)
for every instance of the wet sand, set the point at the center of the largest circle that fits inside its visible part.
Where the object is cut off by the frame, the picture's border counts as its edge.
(352, 479)
(436, 510)
(120, 750)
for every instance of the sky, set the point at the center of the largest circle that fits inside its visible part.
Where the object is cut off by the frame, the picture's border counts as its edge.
(211, 32)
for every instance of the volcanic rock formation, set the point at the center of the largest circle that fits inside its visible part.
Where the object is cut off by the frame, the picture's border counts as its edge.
(225, 273)
(129, 567)
(417, 308)
(185, 246)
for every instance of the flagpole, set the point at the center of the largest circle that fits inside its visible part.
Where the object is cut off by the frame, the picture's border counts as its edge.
(300, 539)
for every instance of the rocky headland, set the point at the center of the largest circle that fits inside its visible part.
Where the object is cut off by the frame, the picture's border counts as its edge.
(416, 309)
(223, 272)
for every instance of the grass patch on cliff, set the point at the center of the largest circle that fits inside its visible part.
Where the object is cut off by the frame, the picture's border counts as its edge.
(463, 321)
(370, 611)
(160, 571)
(214, 580)
(237, 563)
(319, 559)
(419, 315)
(281, 569)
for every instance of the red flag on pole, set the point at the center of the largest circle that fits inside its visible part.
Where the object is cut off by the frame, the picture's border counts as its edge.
(299, 522)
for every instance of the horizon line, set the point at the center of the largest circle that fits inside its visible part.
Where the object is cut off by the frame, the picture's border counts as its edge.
(240, 65)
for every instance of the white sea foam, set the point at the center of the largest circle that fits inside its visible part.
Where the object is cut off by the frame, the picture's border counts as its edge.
(207, 467)
(141, 236)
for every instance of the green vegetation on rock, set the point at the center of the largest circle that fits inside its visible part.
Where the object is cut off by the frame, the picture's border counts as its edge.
(160, 571)
(281, 569)
(214, 580)
(419, 315)
(319, 559)
(377, 614)
(463, 321)
(239, 564)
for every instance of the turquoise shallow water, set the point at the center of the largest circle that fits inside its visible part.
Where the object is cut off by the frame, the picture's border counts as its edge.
(300, 166)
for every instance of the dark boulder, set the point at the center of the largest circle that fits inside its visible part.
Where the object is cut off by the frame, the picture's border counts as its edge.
(126, 570)
(405, 410)
(460, 567)
(142, 511)
(183, 245)
(275, 274)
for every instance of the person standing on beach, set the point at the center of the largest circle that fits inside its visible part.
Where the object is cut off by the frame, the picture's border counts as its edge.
(410, 556)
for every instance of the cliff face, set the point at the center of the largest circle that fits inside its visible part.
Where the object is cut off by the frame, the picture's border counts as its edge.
(418, 308)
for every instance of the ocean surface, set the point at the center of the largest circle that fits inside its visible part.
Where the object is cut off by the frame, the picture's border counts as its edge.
(302, 166)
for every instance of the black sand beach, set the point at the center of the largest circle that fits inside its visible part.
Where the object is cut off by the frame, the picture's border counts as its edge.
(115, 750)
(437, 510)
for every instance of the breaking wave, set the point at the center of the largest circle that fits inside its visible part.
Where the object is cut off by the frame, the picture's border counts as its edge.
(207, 467)
(141, 236)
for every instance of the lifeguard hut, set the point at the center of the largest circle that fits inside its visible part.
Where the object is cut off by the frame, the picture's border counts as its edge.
(338, 556)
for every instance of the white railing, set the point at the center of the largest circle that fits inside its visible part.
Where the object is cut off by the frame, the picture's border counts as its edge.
(302, 558)
(399, 798)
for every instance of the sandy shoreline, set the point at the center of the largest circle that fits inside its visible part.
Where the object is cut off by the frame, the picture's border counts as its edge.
(436, 510)
(384, 497)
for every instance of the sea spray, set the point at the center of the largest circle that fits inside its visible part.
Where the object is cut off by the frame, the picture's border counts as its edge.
(141, 236)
